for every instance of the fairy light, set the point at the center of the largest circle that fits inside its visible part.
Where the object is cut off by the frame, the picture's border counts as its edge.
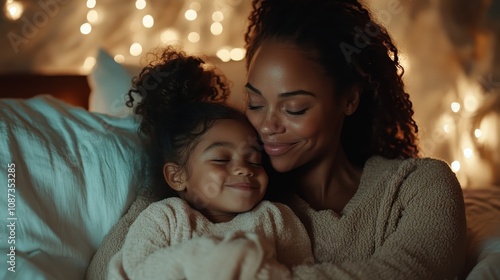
(193, 37)
(148, 21)
(14, 10)
(169, 35)
(195, 6)
(88, 64)
(135, 49)
(455, 107)
(478, 132)
(85, 28)
(91, 4)
(140, 4)
(216, 28)
(190, 15)
(92, 16)
(470, 103)
(224, 54)
(468, 152)
(237, 54)
(455, 166)
(119, 58)
(217, 16)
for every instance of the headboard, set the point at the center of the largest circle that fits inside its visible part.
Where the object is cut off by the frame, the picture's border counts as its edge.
(73, 89)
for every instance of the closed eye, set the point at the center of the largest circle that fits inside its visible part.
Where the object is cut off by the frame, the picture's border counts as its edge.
(253, 107)
(296, 113)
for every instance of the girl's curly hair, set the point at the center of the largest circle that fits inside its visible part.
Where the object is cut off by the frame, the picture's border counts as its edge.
(180, 98)
(355, 51)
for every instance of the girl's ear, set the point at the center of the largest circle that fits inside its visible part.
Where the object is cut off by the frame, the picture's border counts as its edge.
(174, 176)
(352, 100)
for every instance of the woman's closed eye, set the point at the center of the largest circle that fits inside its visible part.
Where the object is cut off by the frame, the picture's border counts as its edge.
(254, 107)
(296, 113)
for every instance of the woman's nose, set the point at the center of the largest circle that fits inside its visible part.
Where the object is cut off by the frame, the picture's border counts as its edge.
(271, 124)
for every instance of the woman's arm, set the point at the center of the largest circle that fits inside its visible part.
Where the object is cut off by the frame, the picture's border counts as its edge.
(427, 242)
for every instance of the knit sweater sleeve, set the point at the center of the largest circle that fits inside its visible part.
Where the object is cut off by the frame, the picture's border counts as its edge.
(147, 248)
(426, 240)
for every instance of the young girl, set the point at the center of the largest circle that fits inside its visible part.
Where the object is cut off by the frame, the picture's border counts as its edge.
(211, 159)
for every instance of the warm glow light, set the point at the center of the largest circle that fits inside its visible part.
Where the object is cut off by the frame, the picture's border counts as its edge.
(455, 107)
(14, 10)
(90, 4)
(455, 166)
(148, 21)
(88, 63)
(195, 6)
(85, 28)
(169, 35)
(216, 28)
(447, 128)
(193, 37)
(478, 133)
(224, 55)
(92, 16)
(217, 16)
(135, 49)
(470, 103)
(468, 152)
(140, 4)
(237, 54)
(191, 14)
(119, 58)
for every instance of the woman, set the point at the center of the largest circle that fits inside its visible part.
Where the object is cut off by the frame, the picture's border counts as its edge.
(325, 93)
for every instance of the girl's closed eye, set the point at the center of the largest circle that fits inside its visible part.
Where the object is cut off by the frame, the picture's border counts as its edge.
(296, 112)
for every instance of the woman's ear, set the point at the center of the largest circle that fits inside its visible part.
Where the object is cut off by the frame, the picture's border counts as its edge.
(174, 176)
(352, 101)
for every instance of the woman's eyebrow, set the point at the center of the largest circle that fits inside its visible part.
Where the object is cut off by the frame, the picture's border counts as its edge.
(283, 94)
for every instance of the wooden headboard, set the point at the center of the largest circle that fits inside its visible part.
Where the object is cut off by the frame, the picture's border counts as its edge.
(73, 89)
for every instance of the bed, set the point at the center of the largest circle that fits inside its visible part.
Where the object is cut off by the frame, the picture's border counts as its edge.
(61, 196)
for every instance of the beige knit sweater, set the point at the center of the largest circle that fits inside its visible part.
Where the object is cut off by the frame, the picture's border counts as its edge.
(156, 245)
(406, 221)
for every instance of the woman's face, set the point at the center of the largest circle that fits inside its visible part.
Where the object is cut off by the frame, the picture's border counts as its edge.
(292, 104)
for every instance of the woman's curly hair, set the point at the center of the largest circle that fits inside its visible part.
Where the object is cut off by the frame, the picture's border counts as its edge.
(355, 52)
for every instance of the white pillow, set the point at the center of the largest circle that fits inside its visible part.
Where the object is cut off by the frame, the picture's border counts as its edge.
(75, 174)
(109, 82)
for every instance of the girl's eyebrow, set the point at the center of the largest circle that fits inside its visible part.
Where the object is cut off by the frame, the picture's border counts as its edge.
(228, 145)
(283, 94)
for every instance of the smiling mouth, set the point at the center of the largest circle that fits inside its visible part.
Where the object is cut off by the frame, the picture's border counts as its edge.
(277, 149)
(242, 186)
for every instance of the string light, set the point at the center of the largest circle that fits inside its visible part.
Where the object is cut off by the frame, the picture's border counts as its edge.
(14, 10)
(119, 58)
(217, 16)
(92, 16)
(216, 28)
(91, 4)
(135, 49)
(88, 64)
(85, 28)
(190, 15)
(224, 54)
(193, 37)
(148, 21)
(455, 166)
(140, 4)
(468, 152)
(169, 35)
(478, 132)
(455, 107)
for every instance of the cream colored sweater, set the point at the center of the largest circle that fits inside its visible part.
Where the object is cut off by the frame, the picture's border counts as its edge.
(155, 246)
(406, 221)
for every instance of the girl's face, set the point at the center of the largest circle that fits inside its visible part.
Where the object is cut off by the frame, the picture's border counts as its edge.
(224, 172)
(292, 104)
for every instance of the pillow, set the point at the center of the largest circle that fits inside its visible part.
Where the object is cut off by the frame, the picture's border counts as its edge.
(67, 176)
(109, 82)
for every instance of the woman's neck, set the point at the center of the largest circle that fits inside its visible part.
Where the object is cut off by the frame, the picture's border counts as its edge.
(329, 183)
